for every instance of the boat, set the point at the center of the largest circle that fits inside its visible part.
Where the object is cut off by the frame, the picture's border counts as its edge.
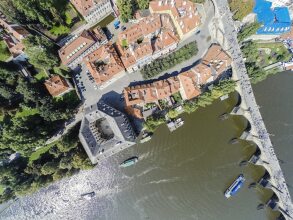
(224, 97)
(88, 196)
(174, 124)
(146, 136)
(236, 185)
(129, 162)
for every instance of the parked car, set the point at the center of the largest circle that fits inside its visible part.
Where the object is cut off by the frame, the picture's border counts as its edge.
(123, 28)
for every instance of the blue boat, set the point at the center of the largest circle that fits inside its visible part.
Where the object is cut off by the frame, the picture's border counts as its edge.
(236, 185)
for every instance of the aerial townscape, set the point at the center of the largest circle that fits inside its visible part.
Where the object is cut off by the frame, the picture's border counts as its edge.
(95, 93)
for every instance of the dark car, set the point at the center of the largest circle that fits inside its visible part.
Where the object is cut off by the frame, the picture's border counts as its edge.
(123, 28)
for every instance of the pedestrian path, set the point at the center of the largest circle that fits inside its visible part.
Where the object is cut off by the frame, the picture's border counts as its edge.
(258, 130)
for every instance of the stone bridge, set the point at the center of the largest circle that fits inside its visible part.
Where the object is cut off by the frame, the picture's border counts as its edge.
(224, 31)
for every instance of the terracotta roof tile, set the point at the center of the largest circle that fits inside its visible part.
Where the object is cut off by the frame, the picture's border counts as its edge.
(184, 12)
(152, 92)
(56, 85)
(189, 85)
(104, 63)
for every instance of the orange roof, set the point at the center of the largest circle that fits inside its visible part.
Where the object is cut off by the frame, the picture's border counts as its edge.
(189, 85)
(144, 27)
(56, 85)
(84, 7)
(183, 11)
(133, 111)
(76, 46)
(217, 58)
(135, 52)
(104, 63)
(152, 92)
(164, 40)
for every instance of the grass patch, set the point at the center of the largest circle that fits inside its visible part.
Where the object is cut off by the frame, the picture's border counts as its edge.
(1, 189)
(42, 75)
(26, 111)
(270, 53)
(241, 8)
(62, 71)
(36, 155)
(4, 52)
(59, 30)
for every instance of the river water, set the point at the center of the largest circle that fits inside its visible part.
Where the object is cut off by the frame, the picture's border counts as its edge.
(180, 175)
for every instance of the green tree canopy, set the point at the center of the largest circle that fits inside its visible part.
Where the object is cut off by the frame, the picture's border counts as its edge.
(41, 52)
(125, 9)
(31, 11)
(143, 4)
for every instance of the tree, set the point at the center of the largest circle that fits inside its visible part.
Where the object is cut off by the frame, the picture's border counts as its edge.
(125, 9)
(248, 30)
(173, 113)
(41, 52)
(43, 11)
(143, 4)
(49, 168)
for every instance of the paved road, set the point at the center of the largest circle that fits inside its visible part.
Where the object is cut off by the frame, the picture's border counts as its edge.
(113, 91)
(261, 136)
(68, 125)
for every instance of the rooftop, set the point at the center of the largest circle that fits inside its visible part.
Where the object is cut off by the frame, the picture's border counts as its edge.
(144, 27)
(103, 128)
(152, 92)
(78, 44)
(275, 20)
(184, 13)
(57, 85)
(104, 63)
(84, 7)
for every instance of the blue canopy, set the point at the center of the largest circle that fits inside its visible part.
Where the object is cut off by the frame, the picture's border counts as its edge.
(274, 20)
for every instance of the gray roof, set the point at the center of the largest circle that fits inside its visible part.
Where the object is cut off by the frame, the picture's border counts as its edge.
(104, 127)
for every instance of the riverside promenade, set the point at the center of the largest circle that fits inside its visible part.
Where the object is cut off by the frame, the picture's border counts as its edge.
(249, 108)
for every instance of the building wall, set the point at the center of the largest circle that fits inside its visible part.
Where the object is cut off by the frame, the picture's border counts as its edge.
(101, 10)
(78, 59)
(164, 51)
(177, 26)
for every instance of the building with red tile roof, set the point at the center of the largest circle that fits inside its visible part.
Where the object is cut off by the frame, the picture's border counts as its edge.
(164, 43)
(15, 30)
(152, 92)
(93, 10)
(72, 53)
(15, 47)
(189, 87)
(57, 86)
(184, 14)
(147, 27)
(188, 83)
(136, 55)
(104, 65)
(146, 41)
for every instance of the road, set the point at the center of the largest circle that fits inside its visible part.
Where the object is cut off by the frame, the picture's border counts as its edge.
(258, 130)
(113, 91)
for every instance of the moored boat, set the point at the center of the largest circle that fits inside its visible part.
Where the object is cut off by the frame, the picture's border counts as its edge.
(146, 136)
(236, 185)
(129, 162)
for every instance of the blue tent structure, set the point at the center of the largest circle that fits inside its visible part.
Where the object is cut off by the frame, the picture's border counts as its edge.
(275, 20)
